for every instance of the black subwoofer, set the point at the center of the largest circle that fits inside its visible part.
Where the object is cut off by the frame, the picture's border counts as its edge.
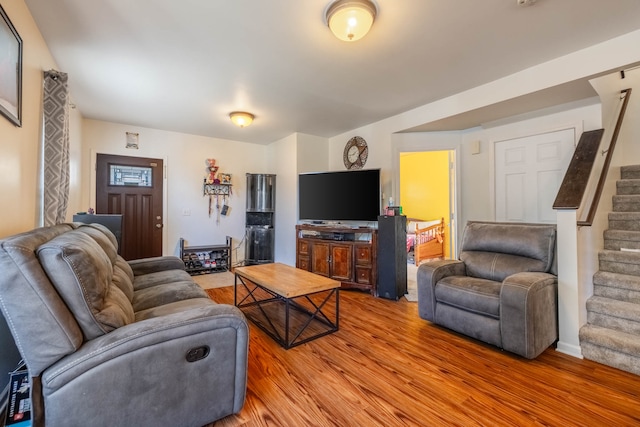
(392, 256)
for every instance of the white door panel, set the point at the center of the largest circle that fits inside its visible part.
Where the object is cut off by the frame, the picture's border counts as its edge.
(528, 173)
(514, 197)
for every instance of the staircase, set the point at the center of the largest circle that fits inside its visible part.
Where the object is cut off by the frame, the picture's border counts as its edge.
(612, 333)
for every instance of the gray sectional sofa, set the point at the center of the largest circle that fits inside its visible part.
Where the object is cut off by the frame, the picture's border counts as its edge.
(502, 290)
(112, 343)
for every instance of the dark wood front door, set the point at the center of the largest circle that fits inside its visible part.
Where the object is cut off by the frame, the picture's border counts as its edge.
(132, 186)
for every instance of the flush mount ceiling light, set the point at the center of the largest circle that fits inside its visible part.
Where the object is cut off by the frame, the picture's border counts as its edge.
(241, 118)
(350, 20)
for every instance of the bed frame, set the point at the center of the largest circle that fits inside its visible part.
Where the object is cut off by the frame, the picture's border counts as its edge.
(429, 242)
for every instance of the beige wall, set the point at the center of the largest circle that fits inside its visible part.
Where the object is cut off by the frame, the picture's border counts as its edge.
(20, 146)
(186, 209)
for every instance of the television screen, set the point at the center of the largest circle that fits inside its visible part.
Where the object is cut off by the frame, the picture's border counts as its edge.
(340, 196)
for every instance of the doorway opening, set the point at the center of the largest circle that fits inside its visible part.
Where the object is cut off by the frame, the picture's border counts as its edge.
(427, 196)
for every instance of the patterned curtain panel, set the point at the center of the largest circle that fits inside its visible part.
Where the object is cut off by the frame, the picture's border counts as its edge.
(56, 147)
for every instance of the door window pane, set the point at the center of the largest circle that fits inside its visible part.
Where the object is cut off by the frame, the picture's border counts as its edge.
(130, 175)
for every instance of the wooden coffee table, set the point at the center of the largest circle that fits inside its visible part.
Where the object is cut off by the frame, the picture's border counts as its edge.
(291, 305)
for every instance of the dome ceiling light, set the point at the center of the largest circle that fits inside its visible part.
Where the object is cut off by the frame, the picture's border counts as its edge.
(241, 118)
(350, 20)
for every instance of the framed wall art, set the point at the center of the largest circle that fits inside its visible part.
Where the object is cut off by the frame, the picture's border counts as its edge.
(10, 71)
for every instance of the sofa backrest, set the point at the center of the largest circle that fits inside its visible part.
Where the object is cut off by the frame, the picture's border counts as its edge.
(495, 250)
(42, 326)
(60, 286)
(82, 273)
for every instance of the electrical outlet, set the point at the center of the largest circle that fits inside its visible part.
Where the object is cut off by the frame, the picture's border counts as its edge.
(186, 212)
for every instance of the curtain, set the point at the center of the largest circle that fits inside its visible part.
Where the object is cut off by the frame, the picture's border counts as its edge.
(56, 147)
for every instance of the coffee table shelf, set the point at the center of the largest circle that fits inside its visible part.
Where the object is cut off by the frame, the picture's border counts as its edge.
(290, 305)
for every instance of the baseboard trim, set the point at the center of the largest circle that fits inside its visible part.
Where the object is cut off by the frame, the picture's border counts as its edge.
(570, 349)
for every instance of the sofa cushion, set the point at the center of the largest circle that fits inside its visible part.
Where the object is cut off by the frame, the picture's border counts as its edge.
(122, 281)
(124, 265)
(536, 241)
(82, 274)
(150, 280)
(494, 250)
(498, 266)
(470, 294)
(44, 328)
(173, 307)
(166, 293)
(108, 246)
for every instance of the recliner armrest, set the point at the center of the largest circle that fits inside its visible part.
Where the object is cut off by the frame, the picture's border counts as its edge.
(145, 364)
(127, 339)
(429, 274)
(160, 263)
(528, 313)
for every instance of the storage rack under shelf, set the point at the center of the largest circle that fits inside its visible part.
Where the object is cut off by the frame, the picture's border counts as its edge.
(206, 258)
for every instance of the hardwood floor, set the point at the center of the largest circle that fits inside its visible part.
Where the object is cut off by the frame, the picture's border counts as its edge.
(387, 367)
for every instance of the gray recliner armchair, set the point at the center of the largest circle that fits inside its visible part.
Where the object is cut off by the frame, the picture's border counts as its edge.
(114, 343)
(502, 290)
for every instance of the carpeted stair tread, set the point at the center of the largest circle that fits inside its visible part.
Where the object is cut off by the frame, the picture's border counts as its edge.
(612, 348)
(621, 287)
(617, 280)
(609, 338)
(622, 262)
(630, 172)
(614, 308)
(628, 186)
(624, 221)
(626, 203)
(612, 333)
(619, 239)
(604, 337)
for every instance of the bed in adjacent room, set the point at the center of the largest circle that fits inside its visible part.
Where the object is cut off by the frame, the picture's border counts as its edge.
(425, 239)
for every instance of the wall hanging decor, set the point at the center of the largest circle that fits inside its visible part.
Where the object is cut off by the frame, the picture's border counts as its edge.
(218, 187)
(11, 71)
(132, 140)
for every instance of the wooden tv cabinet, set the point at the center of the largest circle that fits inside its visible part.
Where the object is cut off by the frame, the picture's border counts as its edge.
(346, 254)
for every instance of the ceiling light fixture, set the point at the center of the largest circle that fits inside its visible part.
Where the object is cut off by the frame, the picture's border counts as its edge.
(241, 118)
(350, 20)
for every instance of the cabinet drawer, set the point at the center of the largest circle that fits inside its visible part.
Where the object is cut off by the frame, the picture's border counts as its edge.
(363, 254)
(363, 275)
(303, 263)
(303, 247)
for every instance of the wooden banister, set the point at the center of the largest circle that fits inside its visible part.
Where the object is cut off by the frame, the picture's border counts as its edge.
(607, 162)
(574, 184)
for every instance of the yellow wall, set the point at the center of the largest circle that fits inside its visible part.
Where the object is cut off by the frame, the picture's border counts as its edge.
(424, 187)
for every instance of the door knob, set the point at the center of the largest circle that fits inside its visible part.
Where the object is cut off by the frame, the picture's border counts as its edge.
(158, 225)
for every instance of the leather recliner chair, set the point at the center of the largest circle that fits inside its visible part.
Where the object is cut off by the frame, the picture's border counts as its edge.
(502, 290)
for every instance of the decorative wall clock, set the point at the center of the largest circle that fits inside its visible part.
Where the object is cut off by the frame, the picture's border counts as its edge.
(355, 153)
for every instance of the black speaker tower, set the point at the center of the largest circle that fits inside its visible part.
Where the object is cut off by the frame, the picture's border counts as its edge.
(392, 256)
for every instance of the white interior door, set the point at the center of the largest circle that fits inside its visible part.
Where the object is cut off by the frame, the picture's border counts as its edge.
(528, 173)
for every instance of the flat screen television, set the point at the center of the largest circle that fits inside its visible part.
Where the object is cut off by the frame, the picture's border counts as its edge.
(339, 196)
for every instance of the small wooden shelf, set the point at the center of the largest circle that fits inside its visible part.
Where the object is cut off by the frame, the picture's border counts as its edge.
(206, 258)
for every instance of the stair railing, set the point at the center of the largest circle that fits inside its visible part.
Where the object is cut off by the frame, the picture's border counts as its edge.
(574, 184)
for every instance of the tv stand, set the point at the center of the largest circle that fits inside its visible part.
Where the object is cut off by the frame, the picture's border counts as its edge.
(346, 254)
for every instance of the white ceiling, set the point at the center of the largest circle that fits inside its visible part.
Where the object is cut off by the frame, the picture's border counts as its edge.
(184, 65)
